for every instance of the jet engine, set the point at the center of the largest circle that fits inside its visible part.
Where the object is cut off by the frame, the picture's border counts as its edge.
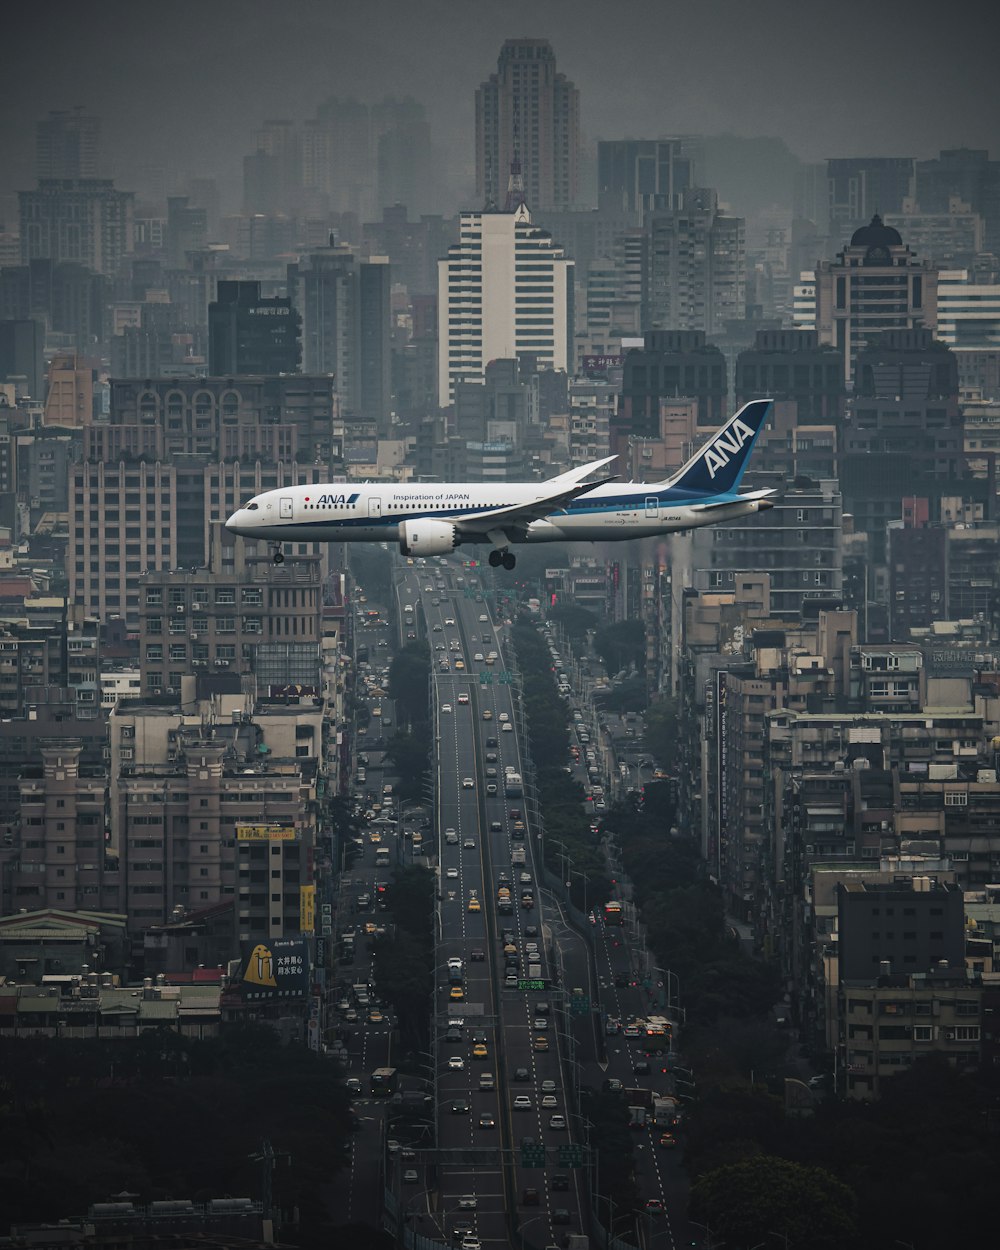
(425, 537)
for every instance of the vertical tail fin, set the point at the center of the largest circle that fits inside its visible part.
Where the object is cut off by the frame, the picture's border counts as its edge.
(717, 467)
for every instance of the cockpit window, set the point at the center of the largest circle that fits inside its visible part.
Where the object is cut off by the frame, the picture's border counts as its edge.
(251, 507)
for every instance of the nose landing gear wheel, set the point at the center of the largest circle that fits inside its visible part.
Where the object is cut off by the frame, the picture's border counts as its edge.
(495, 557)
(509, 560)
(279, 556)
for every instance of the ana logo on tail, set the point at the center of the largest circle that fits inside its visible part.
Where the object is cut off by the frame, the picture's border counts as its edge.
(726, 445)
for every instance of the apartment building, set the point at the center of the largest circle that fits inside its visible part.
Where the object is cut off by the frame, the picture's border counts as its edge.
(215, 805)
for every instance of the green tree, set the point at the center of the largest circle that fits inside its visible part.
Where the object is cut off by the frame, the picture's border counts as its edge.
(409, 676)
(745, 1202)
(622, 646)
(576, 621)
(660, 736)
(410, 763)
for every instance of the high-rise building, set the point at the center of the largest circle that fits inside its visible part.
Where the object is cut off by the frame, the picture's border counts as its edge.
(68, 145)
(528, 112)
(248, 334)
(78, 219)
(187, 230)
(643, 174)
(695, 266)
(345, 308)
(402, 140)
(970, 175)
(670, 365)
(21, 344)
(793, 365)
(875, 284)
(374, 344)
(861, 186)
(504, 289)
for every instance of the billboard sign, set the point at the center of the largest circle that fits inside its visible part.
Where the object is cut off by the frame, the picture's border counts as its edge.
(274, 969)
(266, 833)
(307, 909)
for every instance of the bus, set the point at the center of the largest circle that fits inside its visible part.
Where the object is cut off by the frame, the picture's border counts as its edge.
(612, 912)
(385, 1081)
(513, 787)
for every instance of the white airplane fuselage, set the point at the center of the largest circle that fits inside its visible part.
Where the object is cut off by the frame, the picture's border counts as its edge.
(373, 512)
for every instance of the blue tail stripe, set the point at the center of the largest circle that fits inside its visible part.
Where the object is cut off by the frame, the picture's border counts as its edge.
(717, 468)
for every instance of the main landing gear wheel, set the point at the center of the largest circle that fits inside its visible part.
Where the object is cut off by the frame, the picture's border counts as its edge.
(509, 560)
(279, 556)
(495, 558)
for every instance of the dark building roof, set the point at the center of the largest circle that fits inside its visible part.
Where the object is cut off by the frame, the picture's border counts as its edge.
(876, 234)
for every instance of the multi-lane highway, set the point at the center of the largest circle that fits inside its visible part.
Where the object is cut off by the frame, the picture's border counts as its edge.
(497, 1153)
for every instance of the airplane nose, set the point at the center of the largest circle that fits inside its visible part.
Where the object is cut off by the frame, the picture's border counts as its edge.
(231, 523)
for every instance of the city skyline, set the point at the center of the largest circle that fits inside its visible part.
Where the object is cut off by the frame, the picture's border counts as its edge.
(241, 64)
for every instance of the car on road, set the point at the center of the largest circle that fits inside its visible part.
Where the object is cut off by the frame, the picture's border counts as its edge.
(541, 1043)
(478, 656)
(541, 1023)
(529, 1198)
(469, 844)
(410, 1176)
(460, 1106)
(449, 620)
(641, 1067)
(451, 873)
(559, 1182)
(487, 714)
(483, 618)
(474, 905)
(453, 1034)
(521, 1074)
(445, 707)
(549, 1101)
(654, 1204)
(560, 1216)
(487, 1081)
(491, 788)
(522, 1102)
(548, 1087)
(470, 1242)
(454, 963)
(479, 1051)
(557, 1121)
(375, 1017)
(451, 836)
(467, 1202)
(456, 993)
(508, 728)
(668, 1141)
(477, 955)
(510, 981)
(456, 1063)
(487, 1121)
(354, 1085)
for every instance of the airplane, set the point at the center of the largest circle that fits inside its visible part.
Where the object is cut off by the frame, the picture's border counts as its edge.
(430, 519)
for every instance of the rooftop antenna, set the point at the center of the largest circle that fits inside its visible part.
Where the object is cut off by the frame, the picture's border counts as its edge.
(515, 181)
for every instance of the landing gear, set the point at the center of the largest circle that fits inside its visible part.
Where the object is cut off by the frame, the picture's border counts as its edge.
(279, 556)
(506, 558)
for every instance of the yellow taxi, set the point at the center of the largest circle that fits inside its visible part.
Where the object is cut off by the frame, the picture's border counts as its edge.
(474, 905)
(479, 1051)
(460, 664)
(456, 994)
(375, 836)
(541, 1042)
(487, 714)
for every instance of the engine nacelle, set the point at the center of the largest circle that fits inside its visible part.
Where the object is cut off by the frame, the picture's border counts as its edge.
(426, 537)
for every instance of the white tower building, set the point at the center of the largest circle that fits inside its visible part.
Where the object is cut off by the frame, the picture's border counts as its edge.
(504, 289)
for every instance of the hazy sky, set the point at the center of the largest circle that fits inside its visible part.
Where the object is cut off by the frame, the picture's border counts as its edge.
(184, 84)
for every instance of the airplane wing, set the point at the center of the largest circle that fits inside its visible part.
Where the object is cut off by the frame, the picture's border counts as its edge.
(553, 495)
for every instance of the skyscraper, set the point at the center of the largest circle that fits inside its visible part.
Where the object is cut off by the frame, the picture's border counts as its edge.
(863, 185)
(78, 219)
(642, 174)
(695, 271)
(504, 289)
(527, 111)
(248, 334)
(67, 145)
(875, 284)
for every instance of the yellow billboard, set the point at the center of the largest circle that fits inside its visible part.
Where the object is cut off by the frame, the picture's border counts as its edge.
(266, 833)
(307, 908)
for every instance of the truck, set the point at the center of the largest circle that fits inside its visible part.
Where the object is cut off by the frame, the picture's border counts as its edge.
(664, 1110)
(640, 1098)
(517, 855)
(513, 786)
(637, 1117)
